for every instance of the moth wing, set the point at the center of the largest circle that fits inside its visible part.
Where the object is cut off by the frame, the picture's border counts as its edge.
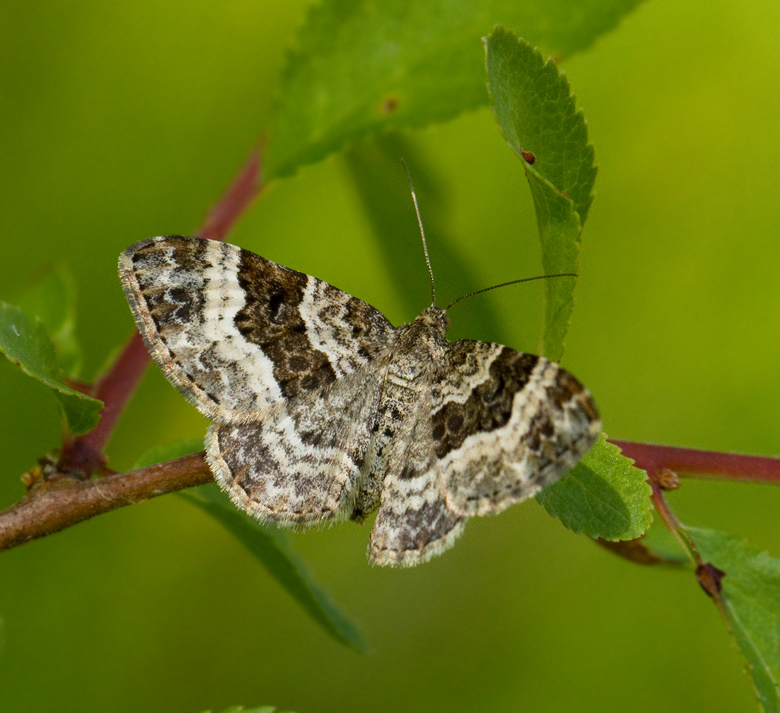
(508, 424)
(415, 522)
(236, 333)
(300, 464)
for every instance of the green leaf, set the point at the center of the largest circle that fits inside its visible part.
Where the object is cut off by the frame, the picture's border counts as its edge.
(538, 117)
(27, 343)
(536, 112)
(751, 604)
(366, 66)
(270, 547)
(53, 302)
(604, 496)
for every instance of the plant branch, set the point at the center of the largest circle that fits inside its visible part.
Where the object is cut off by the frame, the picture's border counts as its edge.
(672, 523)
(117, 385)
(702, 464)
(663, 463)
(708, 575)
(114, 389)
(61, 502)
(55, 504)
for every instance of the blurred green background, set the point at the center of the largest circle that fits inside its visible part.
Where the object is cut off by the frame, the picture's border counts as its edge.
(120, 122)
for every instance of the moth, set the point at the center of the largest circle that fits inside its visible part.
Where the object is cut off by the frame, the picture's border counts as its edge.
(322, 410)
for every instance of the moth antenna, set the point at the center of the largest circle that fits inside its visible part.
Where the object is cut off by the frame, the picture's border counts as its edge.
(505, 284)
(422, 231)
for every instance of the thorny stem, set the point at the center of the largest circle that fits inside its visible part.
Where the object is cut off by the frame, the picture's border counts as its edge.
(117, 385)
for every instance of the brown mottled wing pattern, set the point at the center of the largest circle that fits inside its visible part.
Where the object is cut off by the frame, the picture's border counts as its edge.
(237, 333)
(301, 463)
(498, 426)
(321, 409)
(415, 521)
(507, 425)
(276, 358)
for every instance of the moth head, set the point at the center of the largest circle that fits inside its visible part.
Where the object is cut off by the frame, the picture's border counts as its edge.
(436, 317)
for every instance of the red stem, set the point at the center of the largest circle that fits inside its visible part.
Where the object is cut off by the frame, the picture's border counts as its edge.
(114, 389)
(702, 464)
(670, 520)
(708, 575)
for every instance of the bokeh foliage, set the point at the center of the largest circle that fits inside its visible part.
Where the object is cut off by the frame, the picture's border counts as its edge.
(126, 122)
